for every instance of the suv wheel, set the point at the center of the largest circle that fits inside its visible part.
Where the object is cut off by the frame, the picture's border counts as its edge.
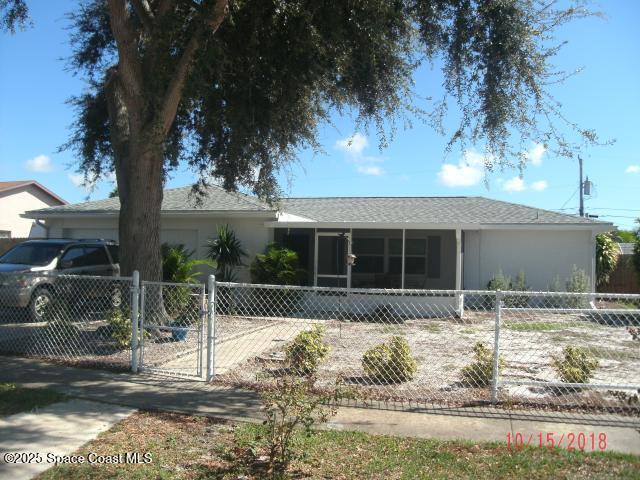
(39, 301)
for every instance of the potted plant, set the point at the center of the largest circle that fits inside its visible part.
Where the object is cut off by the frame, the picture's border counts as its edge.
(180, 328)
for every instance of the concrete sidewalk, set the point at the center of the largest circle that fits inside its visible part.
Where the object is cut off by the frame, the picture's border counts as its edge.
(53, 431)
(198, 398)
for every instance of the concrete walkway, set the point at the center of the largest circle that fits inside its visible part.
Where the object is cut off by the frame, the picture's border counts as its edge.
(194, 397)
(55, 430)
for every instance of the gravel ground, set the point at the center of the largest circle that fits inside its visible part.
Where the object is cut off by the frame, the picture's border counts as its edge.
(442, 347)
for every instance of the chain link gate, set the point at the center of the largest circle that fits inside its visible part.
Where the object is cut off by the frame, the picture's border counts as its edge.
(172, 329)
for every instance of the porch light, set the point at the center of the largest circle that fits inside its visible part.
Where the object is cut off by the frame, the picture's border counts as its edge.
(351, 259)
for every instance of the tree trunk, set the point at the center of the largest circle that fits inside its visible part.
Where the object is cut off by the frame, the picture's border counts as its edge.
(140, 206)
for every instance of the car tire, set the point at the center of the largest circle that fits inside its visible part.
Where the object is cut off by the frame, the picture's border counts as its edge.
(39, 300)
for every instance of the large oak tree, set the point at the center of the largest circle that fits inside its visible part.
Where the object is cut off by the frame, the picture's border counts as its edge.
(235, 88)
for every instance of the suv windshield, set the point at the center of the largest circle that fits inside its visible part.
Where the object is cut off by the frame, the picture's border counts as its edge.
(32, 254)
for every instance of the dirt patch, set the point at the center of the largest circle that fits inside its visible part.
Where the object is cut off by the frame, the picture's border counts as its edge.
(443, 347)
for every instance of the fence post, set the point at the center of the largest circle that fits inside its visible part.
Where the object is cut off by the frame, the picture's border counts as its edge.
(135, 303)
(211, 327)
(496, 348)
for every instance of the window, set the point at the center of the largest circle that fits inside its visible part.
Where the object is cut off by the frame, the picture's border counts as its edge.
(84, 257)
(370, 255)
(5, 234)
(113, 250)
(415, 253)
(332, 251)
(433, 257)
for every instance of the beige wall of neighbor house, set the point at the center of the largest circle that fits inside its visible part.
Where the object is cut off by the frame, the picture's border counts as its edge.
(542, 254)
(16, 201)
(193, 233)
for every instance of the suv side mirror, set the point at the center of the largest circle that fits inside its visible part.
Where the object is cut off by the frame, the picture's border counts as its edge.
(66, 264)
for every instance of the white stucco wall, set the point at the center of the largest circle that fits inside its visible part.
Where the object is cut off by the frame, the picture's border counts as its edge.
(193, 232)
(541, 254)
(15, 202)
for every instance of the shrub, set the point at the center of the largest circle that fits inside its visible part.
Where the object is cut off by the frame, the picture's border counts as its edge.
(480, 372)
(227, 251)
(606, 258)
(307, 350)
(277, 266)
(518, 301)
(119, 328)
(499, 282)
(578, 283)
(291, 403)
(576, 365)
(390, 362)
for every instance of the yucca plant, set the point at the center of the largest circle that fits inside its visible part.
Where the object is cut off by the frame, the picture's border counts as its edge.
(227, 251)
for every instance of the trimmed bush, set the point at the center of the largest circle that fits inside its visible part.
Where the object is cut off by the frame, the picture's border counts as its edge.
(576, 365)
(499, 281)
(480, 372)
(390, 362)
(307, 350)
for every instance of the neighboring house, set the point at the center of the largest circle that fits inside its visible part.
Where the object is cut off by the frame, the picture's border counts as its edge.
(446, 242)
(18, 197)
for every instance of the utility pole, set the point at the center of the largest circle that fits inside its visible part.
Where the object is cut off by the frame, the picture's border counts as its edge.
(581, 188)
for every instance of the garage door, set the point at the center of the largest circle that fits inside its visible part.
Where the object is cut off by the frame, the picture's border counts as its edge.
(92, 233)
(188, 238)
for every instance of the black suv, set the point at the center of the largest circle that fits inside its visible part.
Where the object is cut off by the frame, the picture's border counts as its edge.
(28, 272)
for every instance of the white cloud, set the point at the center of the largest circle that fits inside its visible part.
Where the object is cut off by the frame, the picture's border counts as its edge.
(353, 145)
(633, 169)
(539, 186)
(77, 179)
(41, 164)
(468, 172)
(515, 184)
(534, 155)
(370, 170)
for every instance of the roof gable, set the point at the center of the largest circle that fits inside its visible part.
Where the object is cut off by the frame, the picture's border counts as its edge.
(15, 185)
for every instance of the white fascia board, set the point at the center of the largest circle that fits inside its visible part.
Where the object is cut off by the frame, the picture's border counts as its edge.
(165, 214)
(596, 227)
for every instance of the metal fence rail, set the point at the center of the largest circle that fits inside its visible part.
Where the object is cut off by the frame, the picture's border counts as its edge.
(78, 320)
(549, 352)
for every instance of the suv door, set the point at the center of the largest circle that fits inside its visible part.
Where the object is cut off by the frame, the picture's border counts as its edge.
(97, 261)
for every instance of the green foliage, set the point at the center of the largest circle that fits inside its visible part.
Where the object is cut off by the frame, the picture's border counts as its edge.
(307, 350)
(624, 236)
(480, 372)
(390, 362)
(579, 282)
(177, 266)
(293, 402)
(227, 251)
(520, 285)
(278, 266)
(576, 365)
(119, 328)
(606, 258)
(636, 249)
(499, 281)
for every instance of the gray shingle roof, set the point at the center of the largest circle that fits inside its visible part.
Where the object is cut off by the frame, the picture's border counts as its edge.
(445, 210)
(175, 200)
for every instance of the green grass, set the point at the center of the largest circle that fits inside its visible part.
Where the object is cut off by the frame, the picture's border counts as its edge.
(548, 326)
(185, 447)
(16, 399)
(431, 327)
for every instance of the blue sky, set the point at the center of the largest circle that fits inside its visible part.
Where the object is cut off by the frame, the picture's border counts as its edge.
(34, 121)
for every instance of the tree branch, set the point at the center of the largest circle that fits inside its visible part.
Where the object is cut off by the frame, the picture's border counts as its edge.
(129, 65)
(211, 17)
(144, 13)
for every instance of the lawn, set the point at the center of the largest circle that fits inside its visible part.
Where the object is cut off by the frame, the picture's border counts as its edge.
(16, 399)
(187, 447)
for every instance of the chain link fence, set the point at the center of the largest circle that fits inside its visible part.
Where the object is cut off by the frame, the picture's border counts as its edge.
(557, 352)
(77, 320)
